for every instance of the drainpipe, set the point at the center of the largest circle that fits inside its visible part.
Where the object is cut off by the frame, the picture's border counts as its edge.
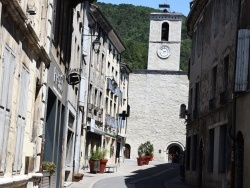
(79, 117)
(47, 91)
(232, 130)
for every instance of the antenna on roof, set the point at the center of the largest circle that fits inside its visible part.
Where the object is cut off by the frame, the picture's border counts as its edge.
(165, 7)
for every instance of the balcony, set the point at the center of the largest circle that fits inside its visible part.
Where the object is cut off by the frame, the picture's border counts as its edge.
(110, 121)
(212, 104)
(112, 86)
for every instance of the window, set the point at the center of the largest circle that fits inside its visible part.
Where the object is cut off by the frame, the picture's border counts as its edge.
(21, 120)
(194, 41)
(225, 75)
(188, 153)
(6, 84)
(197, 98)
(100, 101)
(223, 149)
(95, 102)
(90, 93)
(108, 71)
(107, 105)
(70, 141)
(102, 63)
(191, 99)
(200, 38)
(110, 108)
(110, 48)
(194, 153)
(165, 31)
(210, 151)
(214, 81)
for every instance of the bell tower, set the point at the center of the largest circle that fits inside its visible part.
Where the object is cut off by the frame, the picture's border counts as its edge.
(164, 40)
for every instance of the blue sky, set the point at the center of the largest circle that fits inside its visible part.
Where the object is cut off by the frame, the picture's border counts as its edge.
(180, 6)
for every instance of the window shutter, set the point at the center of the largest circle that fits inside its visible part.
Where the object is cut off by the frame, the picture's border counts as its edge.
(21, 120)
(241, 76)
(8, 67)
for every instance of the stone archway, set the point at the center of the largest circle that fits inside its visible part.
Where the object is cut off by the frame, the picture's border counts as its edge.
(174, 152)
(239, 160)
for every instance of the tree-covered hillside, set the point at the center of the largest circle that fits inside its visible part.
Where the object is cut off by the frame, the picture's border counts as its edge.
(132, 24)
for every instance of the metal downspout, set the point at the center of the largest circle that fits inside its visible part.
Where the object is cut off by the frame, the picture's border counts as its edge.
(77, 145)
(46, 98)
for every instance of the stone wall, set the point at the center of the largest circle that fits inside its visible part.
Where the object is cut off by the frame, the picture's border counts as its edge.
(155, 98)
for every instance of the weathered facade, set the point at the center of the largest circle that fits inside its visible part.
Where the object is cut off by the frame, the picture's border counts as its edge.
(216, 145)
(24, 53)
(104, 92)
(53, 84)
(155, 95)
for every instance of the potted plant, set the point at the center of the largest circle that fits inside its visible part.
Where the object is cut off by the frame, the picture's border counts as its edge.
(94, 161)
(49, 166)
(141, 152)
(149, 150)
(103, 160)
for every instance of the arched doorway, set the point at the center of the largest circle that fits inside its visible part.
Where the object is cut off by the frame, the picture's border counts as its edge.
(239, 160)
(174, 153)
(127, 151)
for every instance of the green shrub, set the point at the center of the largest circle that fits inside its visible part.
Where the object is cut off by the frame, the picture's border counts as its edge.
(49, 166)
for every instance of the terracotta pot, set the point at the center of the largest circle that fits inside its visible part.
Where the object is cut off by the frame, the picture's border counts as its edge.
(140, 161)
(151, 158)
(103, 163)
(92, 166)
(146, 160)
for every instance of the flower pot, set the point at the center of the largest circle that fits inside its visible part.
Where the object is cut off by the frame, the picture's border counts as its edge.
(151, 157)
(103, 163)
(94, 166)
(146, 160)
(140, 161)
(78, 177)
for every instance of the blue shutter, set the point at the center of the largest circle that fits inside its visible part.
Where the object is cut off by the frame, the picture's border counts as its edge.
(241, 77)
(6, 84)
(22, 110)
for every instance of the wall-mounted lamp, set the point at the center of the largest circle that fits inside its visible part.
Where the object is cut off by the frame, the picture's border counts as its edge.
(96, 45)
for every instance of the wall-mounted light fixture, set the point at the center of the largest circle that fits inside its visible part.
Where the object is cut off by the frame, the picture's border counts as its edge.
(96, 45)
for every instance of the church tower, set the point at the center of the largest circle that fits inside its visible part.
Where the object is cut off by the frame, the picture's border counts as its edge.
(164, 40)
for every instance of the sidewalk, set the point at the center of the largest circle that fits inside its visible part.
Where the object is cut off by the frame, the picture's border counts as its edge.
(123, 169)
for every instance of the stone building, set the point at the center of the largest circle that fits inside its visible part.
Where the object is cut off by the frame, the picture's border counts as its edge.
(155, 94)
(106, 76)
(24, 57)
(47, 64)
(217, 145)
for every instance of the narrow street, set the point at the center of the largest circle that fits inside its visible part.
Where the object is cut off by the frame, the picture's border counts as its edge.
(130, 175)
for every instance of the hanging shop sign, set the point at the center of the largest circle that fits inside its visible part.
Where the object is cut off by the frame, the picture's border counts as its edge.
(74, 76)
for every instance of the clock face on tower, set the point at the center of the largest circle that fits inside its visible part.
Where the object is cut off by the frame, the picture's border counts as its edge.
(164, 51)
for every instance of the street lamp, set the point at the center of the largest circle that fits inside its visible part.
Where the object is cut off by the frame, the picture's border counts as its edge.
(96, 45)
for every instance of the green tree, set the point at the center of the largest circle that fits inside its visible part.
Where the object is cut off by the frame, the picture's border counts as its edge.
(132, 23)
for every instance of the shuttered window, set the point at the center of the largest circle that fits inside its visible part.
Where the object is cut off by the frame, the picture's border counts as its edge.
(241, 76)
(21, 120)
(6, 85)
